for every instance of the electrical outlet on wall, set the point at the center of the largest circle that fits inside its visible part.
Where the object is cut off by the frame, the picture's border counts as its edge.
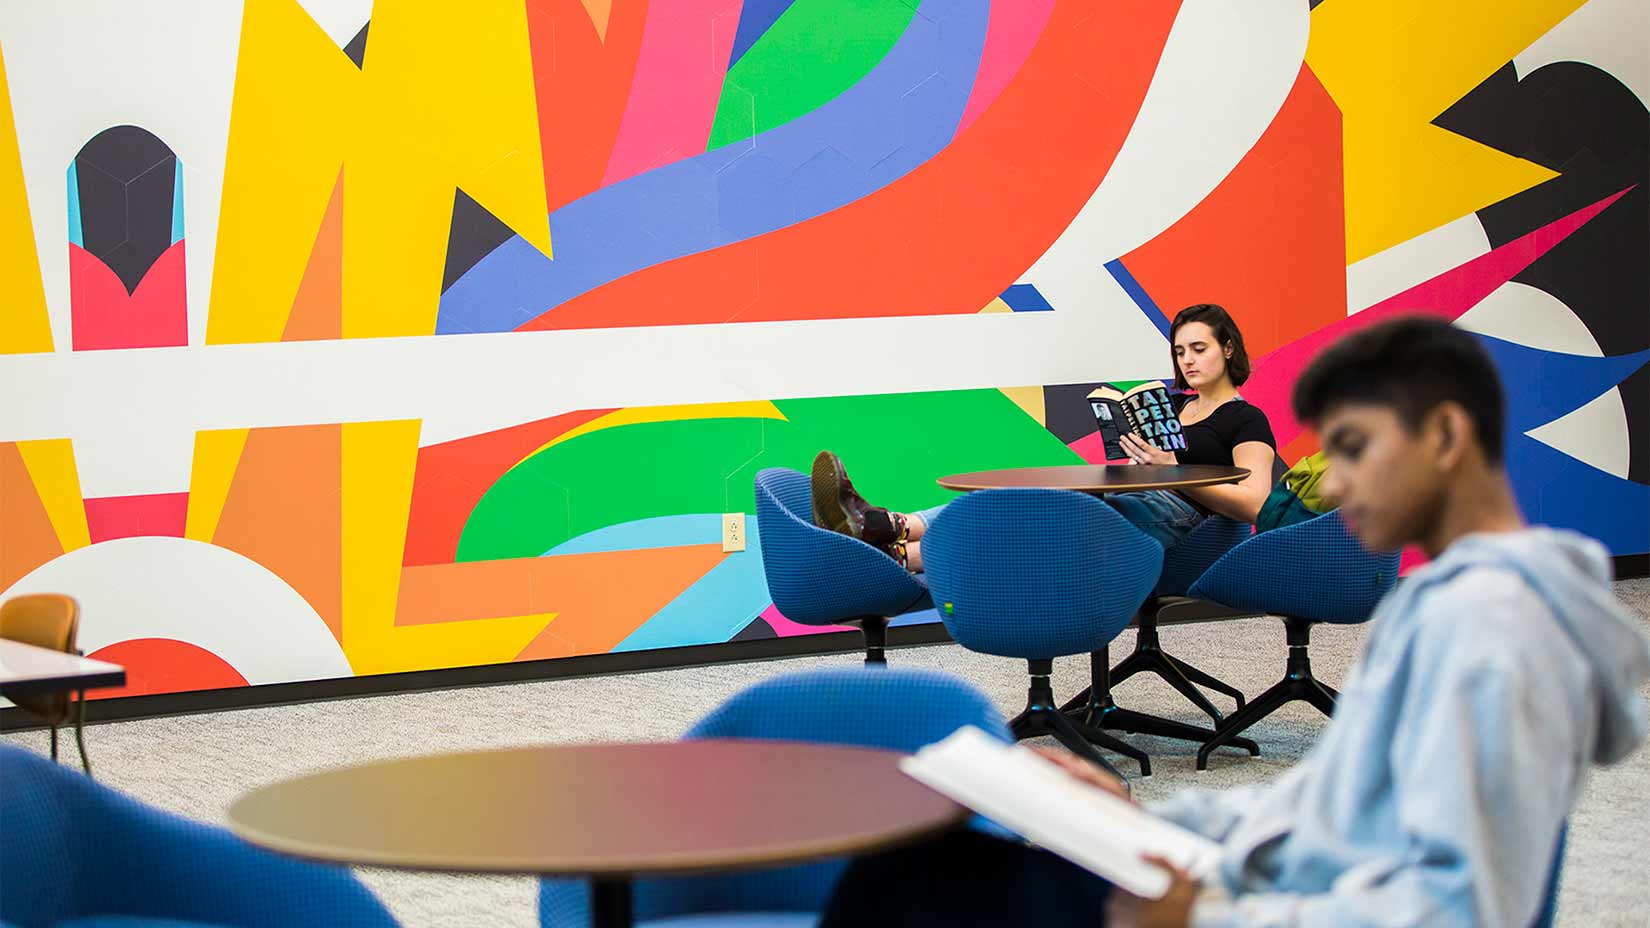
(733, 531)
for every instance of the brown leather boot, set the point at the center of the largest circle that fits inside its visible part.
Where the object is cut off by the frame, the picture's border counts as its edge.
(838, 507)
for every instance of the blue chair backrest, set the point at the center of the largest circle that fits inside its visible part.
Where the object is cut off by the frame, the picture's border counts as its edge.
(900, 709)
(71, 848)
(1185, 562)
(1037, 573)
(816, 576)
(1311, 570)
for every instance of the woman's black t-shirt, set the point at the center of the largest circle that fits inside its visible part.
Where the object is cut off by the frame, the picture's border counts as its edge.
(1211, 439)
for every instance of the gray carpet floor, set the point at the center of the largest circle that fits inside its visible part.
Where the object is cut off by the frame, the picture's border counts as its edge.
(198, 765)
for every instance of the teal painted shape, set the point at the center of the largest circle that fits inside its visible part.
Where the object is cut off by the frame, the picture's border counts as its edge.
(75, 235)
(177, 201)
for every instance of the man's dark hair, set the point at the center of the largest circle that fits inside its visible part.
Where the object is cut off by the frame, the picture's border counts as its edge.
(1226, 333)
(1411, 365)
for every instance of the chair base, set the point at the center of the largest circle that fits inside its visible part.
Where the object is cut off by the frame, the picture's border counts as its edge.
(875, 628)
(1149, 657)
(1101, 711)
(1297, 684)
(1042, 717)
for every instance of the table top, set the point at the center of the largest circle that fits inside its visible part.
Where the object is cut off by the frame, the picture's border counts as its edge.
(26, 669)
(1099, 478)
(603, 810)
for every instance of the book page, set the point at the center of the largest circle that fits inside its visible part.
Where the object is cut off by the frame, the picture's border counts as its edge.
(1017, 789)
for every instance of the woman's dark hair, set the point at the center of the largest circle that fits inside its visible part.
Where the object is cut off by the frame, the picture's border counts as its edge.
(1410, 365)
(1226, 333)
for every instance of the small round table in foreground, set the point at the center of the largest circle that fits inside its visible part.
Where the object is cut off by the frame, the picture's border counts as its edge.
(609, 812)
(1098, 478)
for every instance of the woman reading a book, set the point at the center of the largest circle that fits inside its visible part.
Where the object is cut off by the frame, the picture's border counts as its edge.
(1218, 425)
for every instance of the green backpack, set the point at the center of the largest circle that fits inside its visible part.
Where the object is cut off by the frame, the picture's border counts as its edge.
(1297, 497)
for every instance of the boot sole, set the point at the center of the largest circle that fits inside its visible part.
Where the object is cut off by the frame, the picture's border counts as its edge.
(825, 484)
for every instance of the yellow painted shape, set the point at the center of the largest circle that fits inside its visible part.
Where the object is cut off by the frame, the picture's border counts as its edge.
(378, 463)
(294, 110)
(1392, 68)
(24, 324)
(449, 101)
(1029, 399)
(212, 472)
(57, 482)
(641, 415)
(601, 12)
(446, 101)
(997, 306)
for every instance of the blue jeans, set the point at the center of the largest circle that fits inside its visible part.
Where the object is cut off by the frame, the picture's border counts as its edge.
(1164, 515)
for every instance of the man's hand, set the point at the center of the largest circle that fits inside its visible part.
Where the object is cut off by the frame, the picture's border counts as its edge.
(1085, 771)
(1141, 451)
(1174, 910)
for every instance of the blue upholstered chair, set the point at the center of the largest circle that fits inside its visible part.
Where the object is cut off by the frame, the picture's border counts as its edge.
(896, 709)
(75, 852)
(1040, 574)
(818, 577)
(1310, 572)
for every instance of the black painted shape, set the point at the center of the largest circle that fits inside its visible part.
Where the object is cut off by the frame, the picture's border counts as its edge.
(756, 631)
(356, 50)
(475, 233)
(1581, 122)
(1066, 411)
(126, 177)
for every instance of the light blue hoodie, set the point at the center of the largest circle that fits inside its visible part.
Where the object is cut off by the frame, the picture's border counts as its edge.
(1492, 678)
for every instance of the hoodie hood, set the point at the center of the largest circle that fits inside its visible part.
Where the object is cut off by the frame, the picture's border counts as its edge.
(1576, 586)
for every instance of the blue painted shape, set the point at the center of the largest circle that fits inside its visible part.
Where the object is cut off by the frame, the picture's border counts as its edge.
(1558, 490)
(657, 532)
(75, 234)
(755, 20)
(1025, 298)
(903, 112)
(177, 201)
(1139, 295)
(1544, 385)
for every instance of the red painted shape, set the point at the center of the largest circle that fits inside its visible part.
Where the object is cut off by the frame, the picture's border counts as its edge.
(947, 237)
(106, 316)
(582, 84)
(110, 517)
(451, 478)
(1269, 243)
(1447, 296)
(165, 665)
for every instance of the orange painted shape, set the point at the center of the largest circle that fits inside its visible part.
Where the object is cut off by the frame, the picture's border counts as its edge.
(583, 60)
(165, 665)
(1269, 243)
(318, 309)
(452, 477)
(916, 246)
(27, 538)
(598, 598)
(284, 511)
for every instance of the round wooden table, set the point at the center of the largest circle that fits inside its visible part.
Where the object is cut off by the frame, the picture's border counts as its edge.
(1098, 478)
(609, 812)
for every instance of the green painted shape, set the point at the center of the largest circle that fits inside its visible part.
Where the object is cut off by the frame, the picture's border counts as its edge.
(814, 51)
(895, 446)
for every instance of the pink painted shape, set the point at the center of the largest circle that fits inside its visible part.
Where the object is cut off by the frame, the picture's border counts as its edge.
(104, 315)
(785, 628)
(1448, 295)
(1092, 448)
(110, 517)
(676, 84)
(1010, 33)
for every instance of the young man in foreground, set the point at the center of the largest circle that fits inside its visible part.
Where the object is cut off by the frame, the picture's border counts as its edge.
(1492, 679)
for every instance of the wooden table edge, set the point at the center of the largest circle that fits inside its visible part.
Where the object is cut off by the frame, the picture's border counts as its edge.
(1191, 484)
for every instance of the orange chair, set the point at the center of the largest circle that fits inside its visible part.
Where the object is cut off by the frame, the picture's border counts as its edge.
(48, 620)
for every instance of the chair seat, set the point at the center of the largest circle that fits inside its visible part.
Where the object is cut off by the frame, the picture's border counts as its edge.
(128, 921)
(738, 920)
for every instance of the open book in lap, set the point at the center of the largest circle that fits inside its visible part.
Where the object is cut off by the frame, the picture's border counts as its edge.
(1012, 786)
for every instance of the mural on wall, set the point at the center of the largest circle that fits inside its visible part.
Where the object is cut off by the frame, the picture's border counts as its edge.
(459, 372)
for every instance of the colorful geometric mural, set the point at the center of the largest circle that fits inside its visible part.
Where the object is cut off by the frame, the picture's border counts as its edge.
(491, 310)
